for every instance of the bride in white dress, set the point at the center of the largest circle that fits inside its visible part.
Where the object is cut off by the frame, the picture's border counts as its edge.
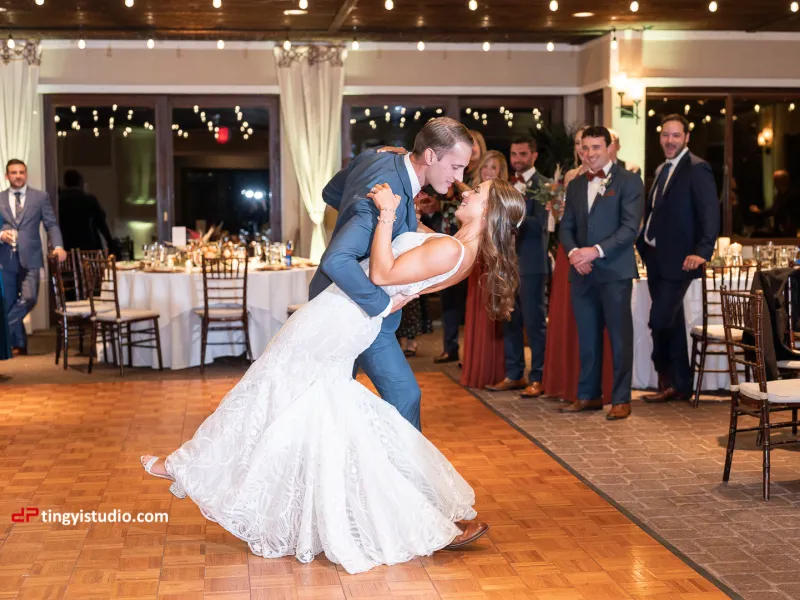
(299, 458)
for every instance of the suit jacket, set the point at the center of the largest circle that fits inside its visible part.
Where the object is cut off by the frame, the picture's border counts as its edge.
(533, 237)
(685, 222)
(352, 237)
(84, 221)
(613, 224)
(37, 209)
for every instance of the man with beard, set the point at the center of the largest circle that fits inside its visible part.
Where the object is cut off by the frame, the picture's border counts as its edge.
(681, 227)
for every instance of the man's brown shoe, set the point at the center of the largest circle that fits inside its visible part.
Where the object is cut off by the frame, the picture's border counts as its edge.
(667, 395)
(445, 357)
(581, 405)
(507, 384)
(472, 530)
(534, 390)
(619, 411)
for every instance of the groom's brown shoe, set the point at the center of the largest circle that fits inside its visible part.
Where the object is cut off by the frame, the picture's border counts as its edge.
(472, 530)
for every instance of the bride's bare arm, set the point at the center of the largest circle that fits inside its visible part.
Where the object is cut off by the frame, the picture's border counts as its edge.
(435, 257)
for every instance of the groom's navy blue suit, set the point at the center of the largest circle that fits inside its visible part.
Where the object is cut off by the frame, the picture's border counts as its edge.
(384, 361)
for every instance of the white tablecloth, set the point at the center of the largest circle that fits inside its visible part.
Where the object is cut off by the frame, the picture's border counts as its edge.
(174, 295)
(644, 374)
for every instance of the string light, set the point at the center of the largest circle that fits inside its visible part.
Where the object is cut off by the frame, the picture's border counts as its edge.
(554, 5)
(473, 5)
(81, 44)
(614, 43)
(10, 43)
(303, 4)
(794, 7)
(712, 6)
(129, 3)
(550, 46)
(39, 2)
(389, 4)
(220, 44)
(355, 44)
(216, 3)
(634, 6)
(486, 46)
(151, 44)
(287, 45)
(421, 46)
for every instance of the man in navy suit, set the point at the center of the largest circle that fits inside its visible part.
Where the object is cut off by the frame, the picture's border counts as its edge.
(681, 228)
(442, 150)
(23, 209)
(601, 220)
(530, 309)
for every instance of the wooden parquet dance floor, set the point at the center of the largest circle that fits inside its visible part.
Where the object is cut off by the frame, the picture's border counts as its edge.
(74, 447)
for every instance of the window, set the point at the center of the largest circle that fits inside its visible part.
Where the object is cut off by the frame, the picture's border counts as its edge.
(394, 124)
(113, 147)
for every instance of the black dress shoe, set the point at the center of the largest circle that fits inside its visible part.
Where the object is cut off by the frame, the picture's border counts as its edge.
(445, 357)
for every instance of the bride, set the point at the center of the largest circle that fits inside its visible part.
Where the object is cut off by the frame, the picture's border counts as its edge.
(299, 458)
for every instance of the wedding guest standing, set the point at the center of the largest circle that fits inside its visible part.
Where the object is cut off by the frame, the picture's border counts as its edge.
(562, 359)
(600, 224)
(82, 219)
(681, 227)
(23, 209)
(483, 337)
(530, 310)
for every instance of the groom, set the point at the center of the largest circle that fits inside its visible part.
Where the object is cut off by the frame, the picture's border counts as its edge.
(442, 150)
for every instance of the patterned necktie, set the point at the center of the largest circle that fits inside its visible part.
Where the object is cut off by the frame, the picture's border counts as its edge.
(662, 183)
(18, 205)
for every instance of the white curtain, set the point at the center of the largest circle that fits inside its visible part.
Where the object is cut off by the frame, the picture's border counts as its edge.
(311, 80)
(19, 76)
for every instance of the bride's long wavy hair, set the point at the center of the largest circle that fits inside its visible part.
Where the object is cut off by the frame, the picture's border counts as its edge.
(505, 210)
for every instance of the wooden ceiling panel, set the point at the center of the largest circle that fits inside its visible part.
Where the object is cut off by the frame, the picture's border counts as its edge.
(410, 20)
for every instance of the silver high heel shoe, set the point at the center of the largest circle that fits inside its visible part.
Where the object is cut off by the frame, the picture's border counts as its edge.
(175, 489)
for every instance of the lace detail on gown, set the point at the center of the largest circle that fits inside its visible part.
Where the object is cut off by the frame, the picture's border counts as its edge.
(299, 458)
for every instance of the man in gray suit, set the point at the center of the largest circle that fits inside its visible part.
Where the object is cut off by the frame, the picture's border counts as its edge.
(22, 209)
(601, 220)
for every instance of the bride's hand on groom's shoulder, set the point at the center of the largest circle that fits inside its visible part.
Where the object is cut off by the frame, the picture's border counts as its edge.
(383, 197)
(393, 150)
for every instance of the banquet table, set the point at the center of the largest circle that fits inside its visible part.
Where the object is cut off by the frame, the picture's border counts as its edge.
(644, 374)
(175, 295)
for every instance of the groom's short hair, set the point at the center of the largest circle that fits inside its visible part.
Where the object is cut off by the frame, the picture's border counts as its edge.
(441, 135)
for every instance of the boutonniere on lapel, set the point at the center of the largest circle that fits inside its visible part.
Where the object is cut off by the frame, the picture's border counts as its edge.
(604, 185)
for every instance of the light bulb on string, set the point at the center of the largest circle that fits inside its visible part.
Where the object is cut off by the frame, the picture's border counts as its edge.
(287, 45)
(420, 45)
(129, 3)
(39, 2)
(554, 5)
(220, 44)
(794, 7)
(634, 6)
(81, 44)
(389, 4)
(10, 43)
(486, 46)
(303, 4)
(354, 46)
(550, 46)
(151, 44)
(614, 43)
(473, 4)
(216, 3)
(712, 6)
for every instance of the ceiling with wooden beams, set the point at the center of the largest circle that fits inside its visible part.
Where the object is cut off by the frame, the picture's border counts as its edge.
(368, 20)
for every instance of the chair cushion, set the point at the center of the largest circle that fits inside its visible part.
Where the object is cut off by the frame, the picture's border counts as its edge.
(716, 332)
(782, 391)
(789, 365)
(127, 314)
(220, 312)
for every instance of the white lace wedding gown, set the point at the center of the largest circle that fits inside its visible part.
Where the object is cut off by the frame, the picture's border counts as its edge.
(299, 458)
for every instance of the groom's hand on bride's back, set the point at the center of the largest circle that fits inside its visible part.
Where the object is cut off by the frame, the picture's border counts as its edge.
(400, 300)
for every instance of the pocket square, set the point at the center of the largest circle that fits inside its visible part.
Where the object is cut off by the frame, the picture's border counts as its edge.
(609, 193)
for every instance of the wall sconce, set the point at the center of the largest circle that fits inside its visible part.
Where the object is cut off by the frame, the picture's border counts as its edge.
(634, 90)
(765, 138)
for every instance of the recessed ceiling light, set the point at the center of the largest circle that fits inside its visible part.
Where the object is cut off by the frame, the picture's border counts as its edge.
(583, 15)
(295, 11)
